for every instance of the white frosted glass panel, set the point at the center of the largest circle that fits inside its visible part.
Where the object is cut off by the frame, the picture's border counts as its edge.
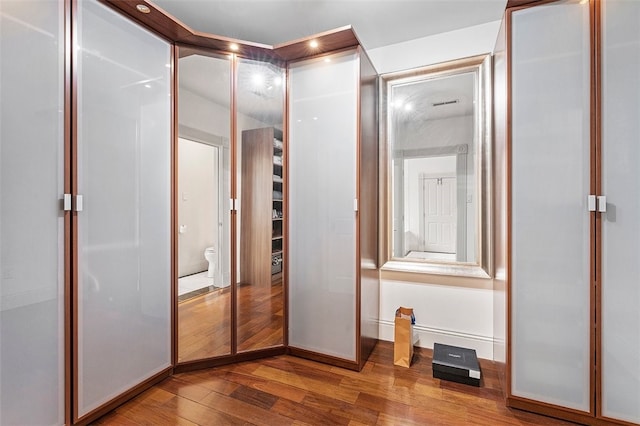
(621, 225)
(123, 153)
(322, 177)
(550, 222)
(31, 223)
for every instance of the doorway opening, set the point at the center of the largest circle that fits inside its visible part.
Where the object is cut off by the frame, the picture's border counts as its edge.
(200, 219)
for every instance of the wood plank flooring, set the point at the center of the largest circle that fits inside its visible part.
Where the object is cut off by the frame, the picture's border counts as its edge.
(286, 390)
(204, 322)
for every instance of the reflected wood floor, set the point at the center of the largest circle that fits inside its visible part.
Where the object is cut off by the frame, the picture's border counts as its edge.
(286, 390)
(204, 326)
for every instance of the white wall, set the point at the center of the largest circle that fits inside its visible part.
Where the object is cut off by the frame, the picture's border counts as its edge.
(445, 313)
(431, 50)
(441, 132)
(197, 204)
(448, 310)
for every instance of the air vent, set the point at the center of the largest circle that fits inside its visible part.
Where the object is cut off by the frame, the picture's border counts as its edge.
(454, 101)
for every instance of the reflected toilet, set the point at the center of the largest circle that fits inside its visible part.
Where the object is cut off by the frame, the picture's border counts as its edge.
(211, 255)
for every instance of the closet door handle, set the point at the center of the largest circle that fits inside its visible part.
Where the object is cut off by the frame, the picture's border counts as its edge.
(602, 204)
(66, 203)
(591, 203)
(79, 203)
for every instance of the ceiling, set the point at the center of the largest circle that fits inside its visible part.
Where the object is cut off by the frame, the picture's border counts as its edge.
(434, 98)
(376, 22)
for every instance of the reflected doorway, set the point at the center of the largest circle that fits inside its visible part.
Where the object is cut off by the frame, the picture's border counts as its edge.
(200, 217)
(438, 224)
(437, 207)
(432, 199)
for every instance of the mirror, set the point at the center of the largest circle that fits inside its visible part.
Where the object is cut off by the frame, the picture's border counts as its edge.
(260, 193)
(203, 193)
(438, 158)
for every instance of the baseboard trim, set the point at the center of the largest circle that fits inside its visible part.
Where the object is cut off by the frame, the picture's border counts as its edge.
(427, 336)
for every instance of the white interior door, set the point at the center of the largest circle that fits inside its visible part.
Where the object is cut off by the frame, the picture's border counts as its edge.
(439, 214)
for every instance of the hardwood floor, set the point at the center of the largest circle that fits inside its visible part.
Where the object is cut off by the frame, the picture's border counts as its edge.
(285, 390)
(204, 326)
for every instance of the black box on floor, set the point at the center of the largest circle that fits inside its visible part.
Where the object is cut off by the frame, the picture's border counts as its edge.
(455, 364)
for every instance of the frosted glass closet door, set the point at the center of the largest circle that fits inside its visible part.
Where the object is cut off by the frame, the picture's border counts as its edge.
(322, 189)
(123, 154)
(31, 222)
(621, 223)
(550, 282)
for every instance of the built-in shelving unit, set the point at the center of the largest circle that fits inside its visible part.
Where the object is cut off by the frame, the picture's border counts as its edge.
(277, 204)
(262, 206)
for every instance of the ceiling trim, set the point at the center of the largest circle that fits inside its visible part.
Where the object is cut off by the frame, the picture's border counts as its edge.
(518, 3)
(171, 28)
(328, 41)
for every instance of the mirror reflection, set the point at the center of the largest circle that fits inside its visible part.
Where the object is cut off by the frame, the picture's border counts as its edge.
(435, 131)
(260, 166)
(434, 180)
(203, 193)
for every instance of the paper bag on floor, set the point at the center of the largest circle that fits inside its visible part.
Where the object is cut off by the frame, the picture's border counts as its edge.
(403, 337)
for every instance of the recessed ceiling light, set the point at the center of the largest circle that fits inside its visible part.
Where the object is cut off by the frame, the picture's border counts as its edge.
(234, 47)
(327, 59)
(258, 79)
(143, 8)
(313, 44)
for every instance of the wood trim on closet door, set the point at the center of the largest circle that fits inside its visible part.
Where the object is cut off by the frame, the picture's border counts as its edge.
(235, 196)
(73, 261)
(174, 204)
(357, 215)
(594, 130)
(68, 264)
(285, 210)
(596, 165)
(508, 204)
